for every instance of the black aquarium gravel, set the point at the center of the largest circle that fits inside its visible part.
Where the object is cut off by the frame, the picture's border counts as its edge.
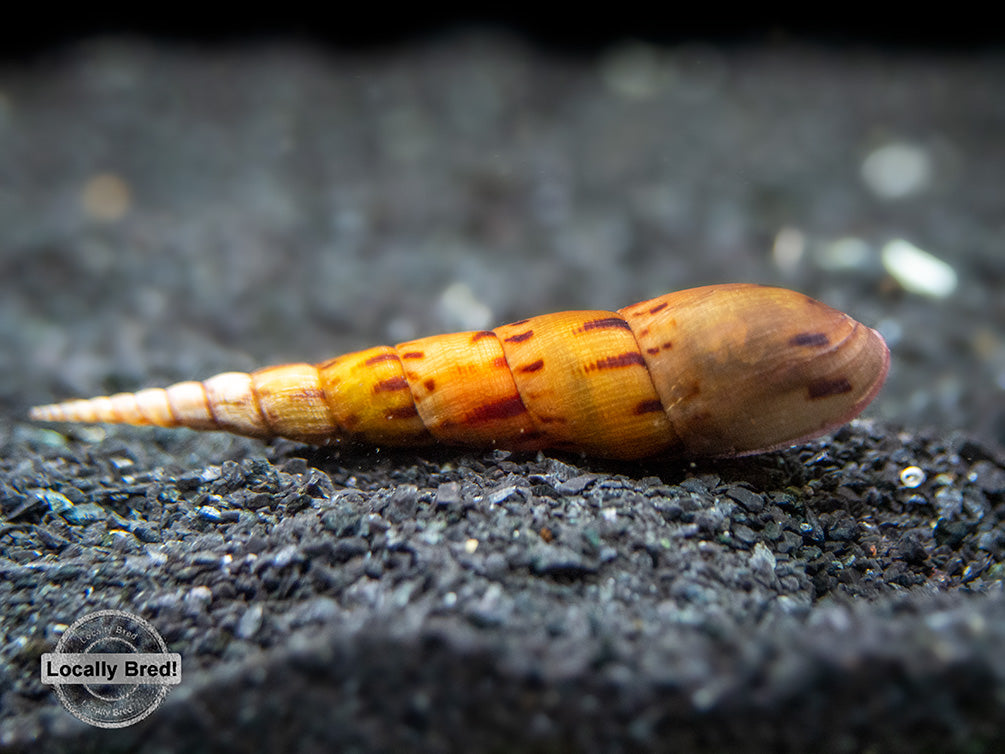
(167, 213)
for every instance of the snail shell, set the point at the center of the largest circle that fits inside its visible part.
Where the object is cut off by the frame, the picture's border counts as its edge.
(722, 370)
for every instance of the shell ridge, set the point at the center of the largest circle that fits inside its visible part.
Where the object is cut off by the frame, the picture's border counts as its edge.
(209, 406)
(336, 428)
(675, 440)
(266, 421)
(538, 424)
(411, 387)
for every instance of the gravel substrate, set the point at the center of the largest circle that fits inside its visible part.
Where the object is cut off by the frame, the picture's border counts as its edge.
(169, 213)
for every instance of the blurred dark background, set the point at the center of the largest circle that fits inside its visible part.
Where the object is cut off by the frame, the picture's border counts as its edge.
(582, 31)
(187, 193)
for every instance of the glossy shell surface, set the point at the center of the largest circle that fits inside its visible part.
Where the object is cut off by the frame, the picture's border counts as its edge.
(721, 370)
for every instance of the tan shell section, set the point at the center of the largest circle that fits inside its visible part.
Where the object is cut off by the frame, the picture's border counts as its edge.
(742, 368)
(715, 371)
(189, 405)
(154, 407)
(292, 402)
(234, 405)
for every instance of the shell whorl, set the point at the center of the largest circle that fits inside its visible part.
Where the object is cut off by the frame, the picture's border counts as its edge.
(715, 371)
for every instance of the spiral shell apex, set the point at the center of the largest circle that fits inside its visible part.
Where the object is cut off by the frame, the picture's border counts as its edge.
(721, 370)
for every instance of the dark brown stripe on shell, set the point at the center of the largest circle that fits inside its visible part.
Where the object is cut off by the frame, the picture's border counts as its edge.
(605, 324)
(482, 334)
(413, 355)
(521, 337)
(627, 359)
(532, 367)
(824, 388)
(809, 339)
(387, 386)
(501, 409)
(648, 407)
(405, 412)
(382, 357)
(658, 308)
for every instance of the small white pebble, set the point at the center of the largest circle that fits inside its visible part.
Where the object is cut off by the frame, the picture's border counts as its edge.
(209, 513)
(788, 249)
(199, 596)
(210, 474)
(286, 556)
(250, 622)
(912, 477)
(897, 170)
(917, 271)
(460, 307)
(763, 559)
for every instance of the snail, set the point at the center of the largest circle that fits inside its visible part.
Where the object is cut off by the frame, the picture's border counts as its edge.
(722, 370)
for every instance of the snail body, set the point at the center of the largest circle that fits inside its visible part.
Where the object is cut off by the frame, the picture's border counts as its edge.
(721, 370)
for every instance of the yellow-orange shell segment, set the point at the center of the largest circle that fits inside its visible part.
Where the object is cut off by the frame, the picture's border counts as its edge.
(715, 371)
